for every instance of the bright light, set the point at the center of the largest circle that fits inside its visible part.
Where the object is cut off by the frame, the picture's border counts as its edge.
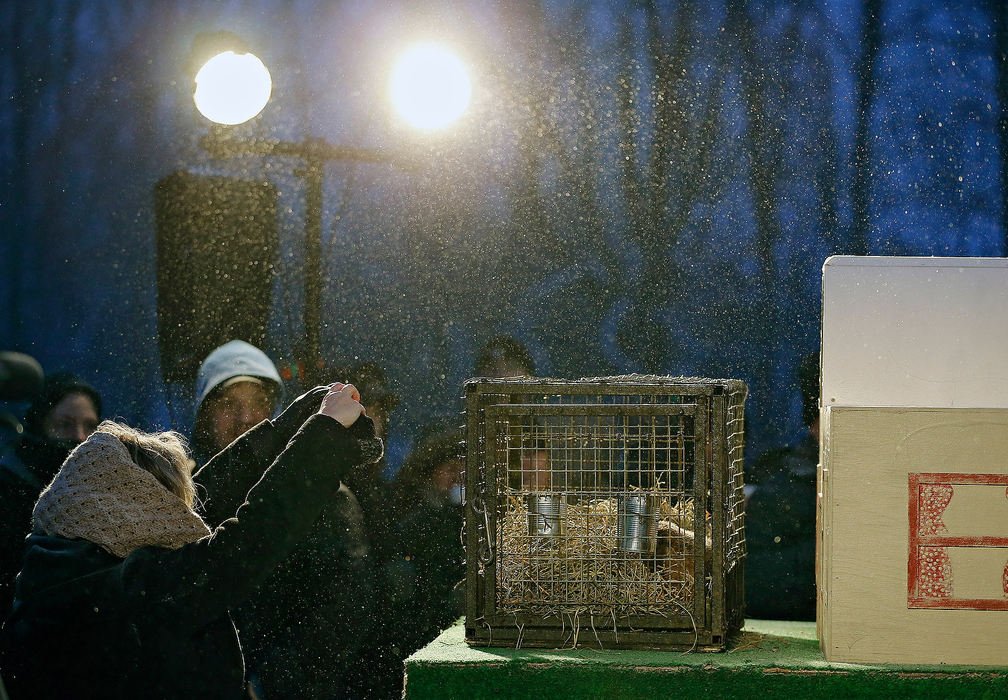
(232, 88)
(429, 86)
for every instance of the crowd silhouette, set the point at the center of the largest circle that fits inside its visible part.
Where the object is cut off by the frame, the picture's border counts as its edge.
(279, 517)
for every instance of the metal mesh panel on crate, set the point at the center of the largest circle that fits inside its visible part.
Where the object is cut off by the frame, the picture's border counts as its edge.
(735, 506)
(584, 501)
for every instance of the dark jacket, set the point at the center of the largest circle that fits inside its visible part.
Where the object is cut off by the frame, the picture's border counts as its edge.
(20, 487)
(430, 545)
(24, 471)
(780, 535)
(421, 563)
(317, 603)
(302, 629)
(86, 624)
(378, 675)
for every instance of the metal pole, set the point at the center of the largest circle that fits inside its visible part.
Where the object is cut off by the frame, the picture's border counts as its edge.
(219, 143)
(314, 164)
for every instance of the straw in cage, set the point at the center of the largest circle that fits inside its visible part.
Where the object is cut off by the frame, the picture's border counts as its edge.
(583, 567)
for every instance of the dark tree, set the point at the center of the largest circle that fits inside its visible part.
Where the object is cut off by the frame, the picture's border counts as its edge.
(660, 195)
(999, 19)
(864, 74)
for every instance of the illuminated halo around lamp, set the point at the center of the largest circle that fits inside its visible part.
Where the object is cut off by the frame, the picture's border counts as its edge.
(429, 86)
(232, 88)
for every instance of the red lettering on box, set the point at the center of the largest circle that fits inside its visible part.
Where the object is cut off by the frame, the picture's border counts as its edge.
(929, 570)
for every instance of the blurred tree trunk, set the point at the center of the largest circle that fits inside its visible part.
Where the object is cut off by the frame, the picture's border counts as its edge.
(508, 264)
(539, 140)
(629, 125)
(762, 142)
(694, 139)
(662, 279)
(656, 219)
(826, 172)
(13, 217)
(581, 165)
(999, 19)
(871, 39)
(637, 329)
(669, 122)
(591, 278)
(535, 246)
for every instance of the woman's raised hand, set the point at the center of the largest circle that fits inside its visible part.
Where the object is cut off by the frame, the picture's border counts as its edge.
(342, 403)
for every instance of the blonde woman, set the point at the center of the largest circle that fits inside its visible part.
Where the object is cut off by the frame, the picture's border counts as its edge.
(124, 591)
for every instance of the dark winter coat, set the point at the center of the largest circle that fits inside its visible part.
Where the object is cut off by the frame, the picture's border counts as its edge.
(25, 469)
(301, 629)
(431, 545)
(416, 590)
(780, 535)
(87, 624)
(379, 673)
(20, 488)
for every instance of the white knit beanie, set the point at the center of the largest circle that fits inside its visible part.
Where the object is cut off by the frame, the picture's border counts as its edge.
(102, 496)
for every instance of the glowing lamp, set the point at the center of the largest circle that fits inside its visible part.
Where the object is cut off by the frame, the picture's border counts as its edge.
(429, 86)
(232, 88)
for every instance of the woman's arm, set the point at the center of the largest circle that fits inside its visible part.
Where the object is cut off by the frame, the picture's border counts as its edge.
(200, 580)
(225, 480)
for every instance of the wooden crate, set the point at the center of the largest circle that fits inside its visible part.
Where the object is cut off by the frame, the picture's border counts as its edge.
(558, 550)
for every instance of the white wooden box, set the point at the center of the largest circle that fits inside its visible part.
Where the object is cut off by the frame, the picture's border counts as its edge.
(912, 562)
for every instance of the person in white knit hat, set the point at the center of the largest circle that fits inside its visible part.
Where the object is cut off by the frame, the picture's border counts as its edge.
(125, 590)
(237, 388)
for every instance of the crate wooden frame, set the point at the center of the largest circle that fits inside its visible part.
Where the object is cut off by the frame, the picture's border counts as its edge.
(716, 406)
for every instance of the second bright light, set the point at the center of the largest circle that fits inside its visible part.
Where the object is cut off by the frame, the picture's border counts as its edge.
(429, 86)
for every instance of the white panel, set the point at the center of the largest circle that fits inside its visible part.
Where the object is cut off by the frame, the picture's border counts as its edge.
(924, 332)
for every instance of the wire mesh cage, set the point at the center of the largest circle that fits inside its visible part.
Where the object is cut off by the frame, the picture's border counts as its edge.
(605, 512)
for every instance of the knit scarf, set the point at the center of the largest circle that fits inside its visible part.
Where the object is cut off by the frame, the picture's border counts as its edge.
(101, 495)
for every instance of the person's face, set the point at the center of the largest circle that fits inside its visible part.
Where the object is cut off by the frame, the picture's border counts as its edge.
(536, 472)
(235, 410)
(73, 418)
(447, 475)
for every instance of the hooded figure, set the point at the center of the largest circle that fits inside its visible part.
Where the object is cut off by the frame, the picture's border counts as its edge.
(422, 562)
(428, 504)
(237, 387)
(59, 419)
(125, 590)
(62, 415)
(314, 605)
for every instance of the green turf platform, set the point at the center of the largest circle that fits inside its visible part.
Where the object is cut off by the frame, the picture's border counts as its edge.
(768, 660)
